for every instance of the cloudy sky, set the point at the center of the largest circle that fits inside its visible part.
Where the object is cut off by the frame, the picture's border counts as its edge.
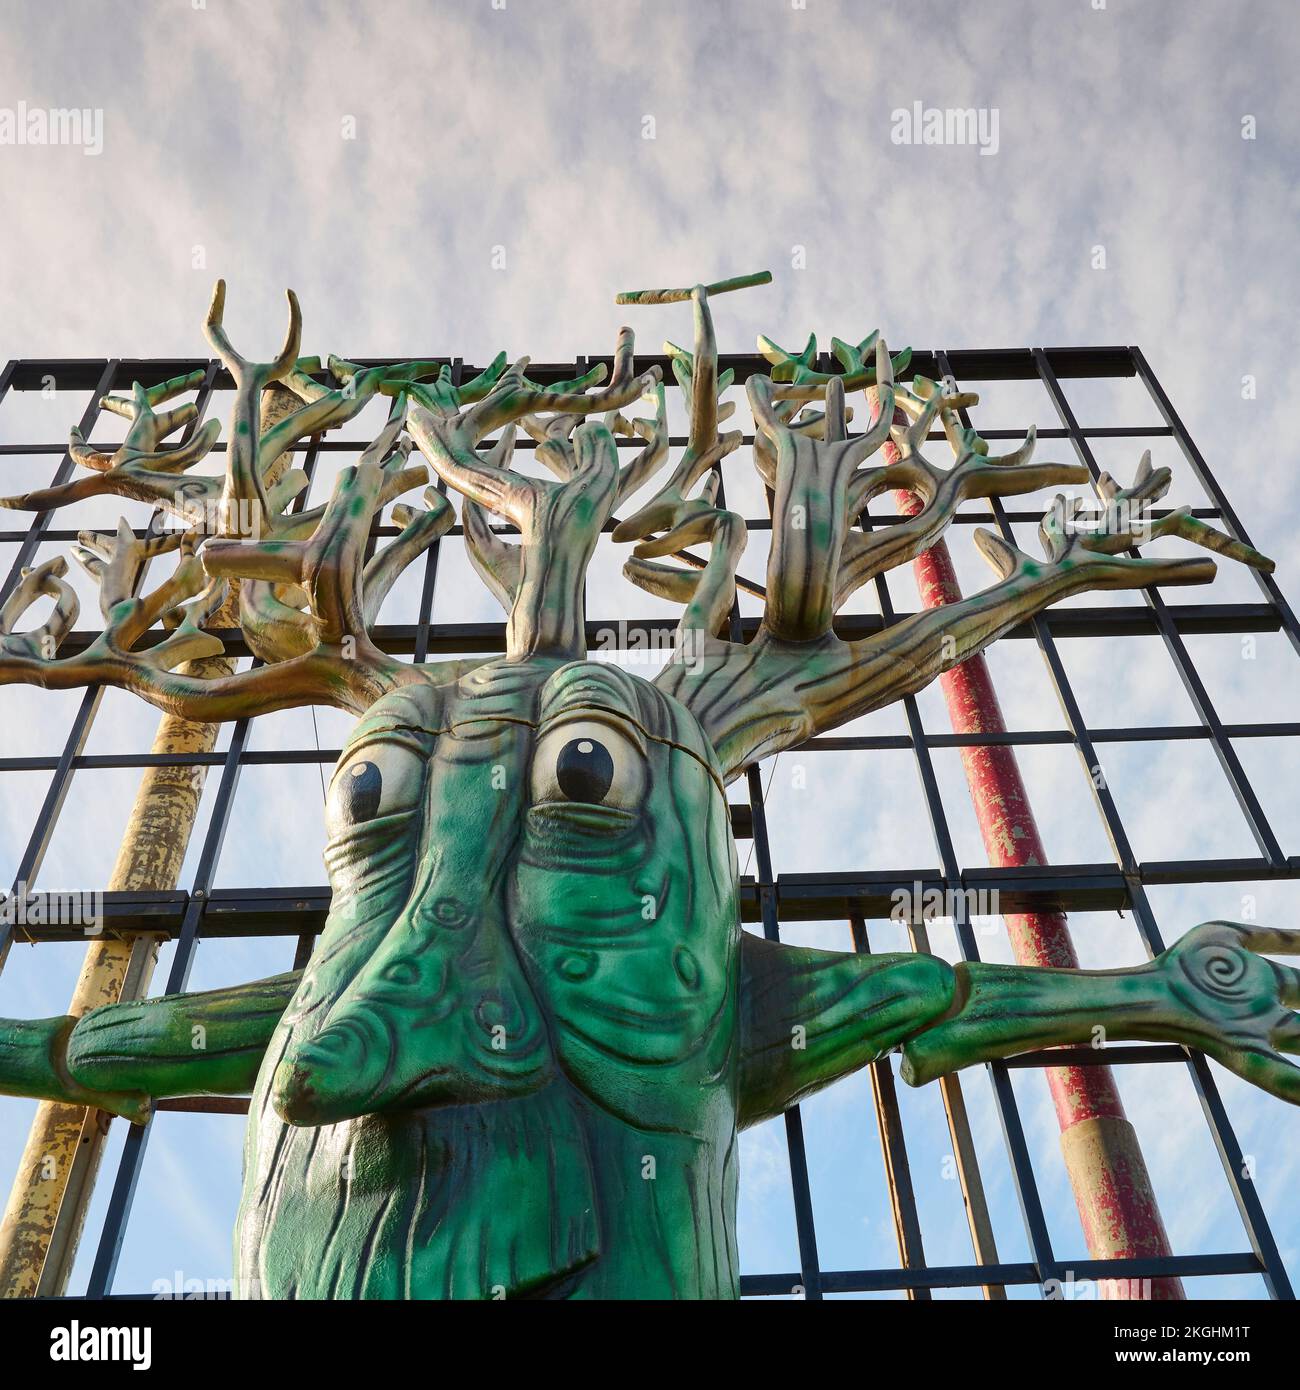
(465, 177)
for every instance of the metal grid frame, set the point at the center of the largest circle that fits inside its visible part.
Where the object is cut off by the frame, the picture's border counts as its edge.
(202, 912)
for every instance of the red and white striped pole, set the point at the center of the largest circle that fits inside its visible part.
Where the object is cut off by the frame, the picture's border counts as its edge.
(1112, 1188)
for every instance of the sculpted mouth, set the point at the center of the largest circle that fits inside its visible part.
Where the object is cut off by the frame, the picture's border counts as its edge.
(412, 1086)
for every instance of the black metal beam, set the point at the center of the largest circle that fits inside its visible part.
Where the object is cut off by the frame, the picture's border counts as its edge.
(236, 913)
(1183, 664)
(131, 1162)
(983, 364)
(971, 1276)
(639, 634)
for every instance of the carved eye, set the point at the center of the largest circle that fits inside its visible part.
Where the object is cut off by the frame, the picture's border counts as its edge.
(380, 779)
(590, 762)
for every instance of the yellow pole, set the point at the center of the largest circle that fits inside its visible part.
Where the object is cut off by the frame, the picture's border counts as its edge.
(43, 1219)
(65, 1143)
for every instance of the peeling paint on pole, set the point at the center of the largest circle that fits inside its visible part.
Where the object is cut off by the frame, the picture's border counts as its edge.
(65, 1142)
(1112, 1189)
(46, 1211)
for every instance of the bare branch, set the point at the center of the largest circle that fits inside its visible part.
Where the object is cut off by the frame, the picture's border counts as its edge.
(707, 594)
(737, 282)
(263, 373)
(559, 522)
(774, 694)
(697, 375)
(941, 492)
(305, 593)
(812, 478)
(141, 467)
(420, 528)
(650, 459)
(40, 643)
(859, 360)
(307, 596)
(245, 508)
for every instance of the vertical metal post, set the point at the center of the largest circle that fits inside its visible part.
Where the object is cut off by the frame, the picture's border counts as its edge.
(132, 1160)
(40, 523)
(965, 1158)
(809, 1267)
(1213, 491)
(1112, 1188)
(1022, 1172)
(805, 1227)
(277, 402)
(1190, 677)
(56, 793)
(893, 1149)
(47, 1204)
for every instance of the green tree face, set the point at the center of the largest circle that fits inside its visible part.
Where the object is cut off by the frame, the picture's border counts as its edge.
(533, 870)
(625, 909)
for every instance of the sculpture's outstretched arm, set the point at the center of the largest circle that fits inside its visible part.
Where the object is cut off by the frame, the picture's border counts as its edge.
(810, 1017)
(1211, 990)
(120, 1057)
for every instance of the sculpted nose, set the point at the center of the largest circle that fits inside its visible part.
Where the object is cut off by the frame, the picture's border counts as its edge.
(293, 1095)
(313, 1079)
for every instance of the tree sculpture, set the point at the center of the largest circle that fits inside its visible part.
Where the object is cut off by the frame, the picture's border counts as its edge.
(518, 1058)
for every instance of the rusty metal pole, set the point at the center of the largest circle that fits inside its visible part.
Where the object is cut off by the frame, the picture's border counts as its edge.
(46, 1211)
(1112, 1188)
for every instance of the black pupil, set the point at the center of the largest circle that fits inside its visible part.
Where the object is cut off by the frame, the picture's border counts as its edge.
(359, 791)
(584, 770)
